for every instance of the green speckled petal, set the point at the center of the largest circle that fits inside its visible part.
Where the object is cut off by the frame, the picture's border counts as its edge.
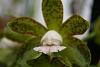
(23, 29)
(77, 52)
(53, 13)
(75, 25)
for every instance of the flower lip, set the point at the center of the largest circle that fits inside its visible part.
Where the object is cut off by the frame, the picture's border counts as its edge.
(49, 49)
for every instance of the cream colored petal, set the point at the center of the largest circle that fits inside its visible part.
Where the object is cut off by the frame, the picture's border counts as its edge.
(60, 48)
(49, 49)
(43, 49)
(56, 48)
(53, 49)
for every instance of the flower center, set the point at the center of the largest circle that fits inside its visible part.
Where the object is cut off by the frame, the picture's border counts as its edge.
(51, 42)
(51, 38)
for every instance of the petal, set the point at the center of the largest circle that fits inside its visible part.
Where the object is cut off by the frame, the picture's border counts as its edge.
(53, 49)
(57, 48)
(24, 28)
(43, 49)
(53, 13)
(49, 49)
(60, 48)
(75, 25)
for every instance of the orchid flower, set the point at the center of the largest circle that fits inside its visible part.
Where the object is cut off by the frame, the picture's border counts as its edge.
(57, 38)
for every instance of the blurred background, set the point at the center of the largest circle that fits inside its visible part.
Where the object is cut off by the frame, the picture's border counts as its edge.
(88, 9)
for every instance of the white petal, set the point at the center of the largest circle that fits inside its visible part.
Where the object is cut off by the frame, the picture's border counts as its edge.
(60, 48)
(49, 49)
(57, 48)
(53, 49)
(43, 49)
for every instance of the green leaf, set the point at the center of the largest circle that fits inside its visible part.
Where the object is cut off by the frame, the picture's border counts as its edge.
(76, 52)
(25, 53)
(97, 31)
(74, 56)
(63, 59)
(75, 25)
(45, 61)
(53, 13)
(93, 66)
(4, 53)
(23, 29)
(29, 55)
(98, 64)
(97, 25)
(6, 56)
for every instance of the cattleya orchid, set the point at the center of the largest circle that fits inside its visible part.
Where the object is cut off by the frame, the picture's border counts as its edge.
(56, 40)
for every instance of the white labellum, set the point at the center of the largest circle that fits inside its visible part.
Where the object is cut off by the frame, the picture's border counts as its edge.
(51, 42)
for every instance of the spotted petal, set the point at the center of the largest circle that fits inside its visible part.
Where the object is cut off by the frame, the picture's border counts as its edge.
(53, 13)
(24, 28)
(75, 25)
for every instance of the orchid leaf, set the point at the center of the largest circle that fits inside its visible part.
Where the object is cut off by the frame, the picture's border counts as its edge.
(29, 55)
(76, 52)
(45, 61)
(75, 25)
(80, 46)
(97, 31)
(74, 56)
(97, 26)
(25, 53)
(64, 60)
(53, 13)
(23, 29)
(4, 53)
(98, 64)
